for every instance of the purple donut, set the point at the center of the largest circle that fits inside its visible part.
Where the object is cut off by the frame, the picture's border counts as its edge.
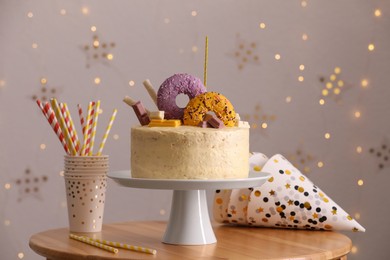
(173, 86)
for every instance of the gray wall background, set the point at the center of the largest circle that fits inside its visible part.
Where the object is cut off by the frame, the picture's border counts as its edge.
(155, 39)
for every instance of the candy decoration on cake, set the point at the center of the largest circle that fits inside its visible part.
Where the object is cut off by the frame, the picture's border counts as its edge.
(173, 86)
(141, 113)
(149, 87)
(207, 102)
(287, 200)
(201, 104)
(165, 123)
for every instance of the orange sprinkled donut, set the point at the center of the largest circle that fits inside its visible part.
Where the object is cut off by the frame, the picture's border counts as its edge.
(200, 105)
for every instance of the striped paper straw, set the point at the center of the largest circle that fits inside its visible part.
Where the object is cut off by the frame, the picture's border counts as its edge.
(94, 126)
(64, 129)
(86, 130)
(69, 124)
(49, 114)
(89, 133)
(94, 243)
(107, 133)
(82, 121)
(126, 246)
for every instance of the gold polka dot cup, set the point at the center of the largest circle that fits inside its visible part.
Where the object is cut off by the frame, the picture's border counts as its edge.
(85, 184)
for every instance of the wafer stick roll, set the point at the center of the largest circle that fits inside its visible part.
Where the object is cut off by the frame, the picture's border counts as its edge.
(49, 114)
(107, 133)
(126, 246)
(64, 129)
(94, 243)
(131, 102)
(151, 91)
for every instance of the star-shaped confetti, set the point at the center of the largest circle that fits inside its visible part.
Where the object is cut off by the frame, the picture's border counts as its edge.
(29, 185)
(98, 51)
(301, 159)
(333, 87)
(245, 53)
(259, 120)
(382, 154)
(45, 91)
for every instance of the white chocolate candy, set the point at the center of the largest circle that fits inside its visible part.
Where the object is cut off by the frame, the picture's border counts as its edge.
(156, 115)
(131, 102)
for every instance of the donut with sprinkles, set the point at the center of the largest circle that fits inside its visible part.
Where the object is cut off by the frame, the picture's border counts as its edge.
(199, 106)
(173, 86)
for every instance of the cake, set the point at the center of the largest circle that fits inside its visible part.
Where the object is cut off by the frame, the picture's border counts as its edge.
(189, 152)
(204, 140)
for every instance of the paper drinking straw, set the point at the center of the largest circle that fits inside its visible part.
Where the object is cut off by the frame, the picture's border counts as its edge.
(94, 243)
(82, 121)
(64, 129)
(85, 132)
(126, 246)
(69, 124)
(73, 127)
(206, 56)
(94, 126)
(151, 91)
(107, 133)
(49, 114)
(89, 132)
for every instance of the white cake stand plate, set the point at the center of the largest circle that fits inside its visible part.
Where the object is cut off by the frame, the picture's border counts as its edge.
(189, 221)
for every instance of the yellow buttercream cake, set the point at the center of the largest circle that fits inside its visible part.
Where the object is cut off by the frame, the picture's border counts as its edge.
(189, 152)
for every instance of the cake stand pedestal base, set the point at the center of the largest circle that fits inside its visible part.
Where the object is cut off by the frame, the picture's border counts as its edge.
(189, 221)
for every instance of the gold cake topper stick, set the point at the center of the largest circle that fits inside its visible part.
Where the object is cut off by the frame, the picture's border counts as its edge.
(206, 54)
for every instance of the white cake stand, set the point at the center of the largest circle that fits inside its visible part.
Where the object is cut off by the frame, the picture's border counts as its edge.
(189, 221)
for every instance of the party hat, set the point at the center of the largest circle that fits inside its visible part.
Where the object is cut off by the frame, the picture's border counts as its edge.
(290, 200)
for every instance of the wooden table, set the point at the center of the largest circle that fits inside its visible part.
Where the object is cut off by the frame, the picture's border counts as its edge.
(233, 243)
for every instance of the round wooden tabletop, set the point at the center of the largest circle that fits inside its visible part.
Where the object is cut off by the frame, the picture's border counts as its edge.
(233, 242)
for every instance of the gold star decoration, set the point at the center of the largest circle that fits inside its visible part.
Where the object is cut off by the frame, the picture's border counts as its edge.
(45, 92)
(259, 120)
(245, 53)
(29, 185)
(382, 154)
(333, 87)
(301, 159)
(98, 51)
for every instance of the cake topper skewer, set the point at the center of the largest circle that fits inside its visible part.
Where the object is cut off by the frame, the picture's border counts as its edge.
(206, 56)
